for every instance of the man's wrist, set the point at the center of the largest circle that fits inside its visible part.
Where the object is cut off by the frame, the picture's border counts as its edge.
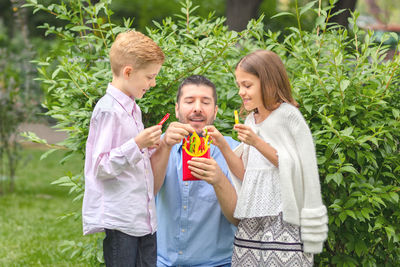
(218, 184)
(165, 144)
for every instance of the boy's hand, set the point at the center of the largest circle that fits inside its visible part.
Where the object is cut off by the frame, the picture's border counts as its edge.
(149, 137)
(217, 138)
(176, 132)
(246, 134)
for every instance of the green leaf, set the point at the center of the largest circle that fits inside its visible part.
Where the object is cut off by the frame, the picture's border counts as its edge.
(308, 107)
(307, 7)
(360, 247)
(350, 203)
(396, 113)
(62, 180)
(337, 177)
(394, 196)
(47, 153)
(347, 131)
(351, 214)
(343, 216)
(282, 14)
(344, 84)
(365, 212)
(348, 168)
(390, 232)
(80, 28)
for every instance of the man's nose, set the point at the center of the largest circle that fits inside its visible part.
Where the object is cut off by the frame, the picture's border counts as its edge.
(197, 106)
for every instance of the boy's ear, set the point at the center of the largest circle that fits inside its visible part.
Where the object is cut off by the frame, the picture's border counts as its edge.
(127, 71)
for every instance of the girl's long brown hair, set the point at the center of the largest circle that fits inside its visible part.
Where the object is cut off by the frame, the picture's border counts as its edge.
(269, 68)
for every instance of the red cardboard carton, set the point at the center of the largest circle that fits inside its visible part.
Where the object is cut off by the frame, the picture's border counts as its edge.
(186, 156)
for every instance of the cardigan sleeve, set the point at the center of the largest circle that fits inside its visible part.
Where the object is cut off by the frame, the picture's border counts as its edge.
(313, 215)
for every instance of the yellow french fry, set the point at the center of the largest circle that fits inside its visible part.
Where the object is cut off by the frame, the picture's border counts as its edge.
(236, 117)
(197, 143)
(206, 140)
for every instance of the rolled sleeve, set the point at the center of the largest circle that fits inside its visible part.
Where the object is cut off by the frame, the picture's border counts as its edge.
(132, 152)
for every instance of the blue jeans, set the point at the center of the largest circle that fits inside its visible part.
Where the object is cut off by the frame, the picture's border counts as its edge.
(123, 250)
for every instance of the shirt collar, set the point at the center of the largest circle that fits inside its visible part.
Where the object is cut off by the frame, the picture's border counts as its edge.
(178, 147)
(128, 103)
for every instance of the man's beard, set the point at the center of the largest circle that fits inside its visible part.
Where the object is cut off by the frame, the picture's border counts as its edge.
(186, 120)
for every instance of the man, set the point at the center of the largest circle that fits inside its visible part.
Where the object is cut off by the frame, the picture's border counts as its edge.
(192, 228)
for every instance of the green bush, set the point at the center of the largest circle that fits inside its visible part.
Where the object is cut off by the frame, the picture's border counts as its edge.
(347, 92)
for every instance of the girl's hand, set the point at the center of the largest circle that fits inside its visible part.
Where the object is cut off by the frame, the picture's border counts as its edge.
(246, 134)
(216, 137)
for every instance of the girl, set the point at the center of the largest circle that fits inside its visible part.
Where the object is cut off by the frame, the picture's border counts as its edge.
(281, 218)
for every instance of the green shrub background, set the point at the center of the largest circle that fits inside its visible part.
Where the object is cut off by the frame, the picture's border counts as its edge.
(346, 90)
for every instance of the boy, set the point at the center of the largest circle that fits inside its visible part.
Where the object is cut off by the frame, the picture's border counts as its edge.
(119, 196)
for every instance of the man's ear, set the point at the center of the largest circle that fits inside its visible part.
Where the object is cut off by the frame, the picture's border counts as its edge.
(216, 111)
(176, 110)
(127, 71)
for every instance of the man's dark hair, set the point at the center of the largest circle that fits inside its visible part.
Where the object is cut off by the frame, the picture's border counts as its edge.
(197, 80)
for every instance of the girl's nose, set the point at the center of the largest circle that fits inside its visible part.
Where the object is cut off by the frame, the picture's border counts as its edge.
(241, 91)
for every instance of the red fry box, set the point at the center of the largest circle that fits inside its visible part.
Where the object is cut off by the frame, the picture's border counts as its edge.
(186, 156)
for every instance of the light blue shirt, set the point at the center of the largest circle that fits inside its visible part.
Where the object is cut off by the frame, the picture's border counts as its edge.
(192, 230)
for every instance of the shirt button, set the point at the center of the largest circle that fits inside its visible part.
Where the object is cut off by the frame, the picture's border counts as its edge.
(183, 230)
(184, 207)
(180, 252)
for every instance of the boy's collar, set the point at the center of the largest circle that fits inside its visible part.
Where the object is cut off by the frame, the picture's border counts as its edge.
(128, 103)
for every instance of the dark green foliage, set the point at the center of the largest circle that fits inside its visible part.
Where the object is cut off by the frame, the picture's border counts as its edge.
(349, 93)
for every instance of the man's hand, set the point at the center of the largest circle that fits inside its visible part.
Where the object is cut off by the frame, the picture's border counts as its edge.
(176, 132)
(206, 169)
(149, 137)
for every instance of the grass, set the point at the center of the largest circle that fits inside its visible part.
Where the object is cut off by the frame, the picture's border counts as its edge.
(31, 231)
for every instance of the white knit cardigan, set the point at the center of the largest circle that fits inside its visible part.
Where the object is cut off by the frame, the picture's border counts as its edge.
(286, 130)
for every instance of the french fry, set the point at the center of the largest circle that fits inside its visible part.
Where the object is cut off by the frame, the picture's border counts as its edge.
(236, 117)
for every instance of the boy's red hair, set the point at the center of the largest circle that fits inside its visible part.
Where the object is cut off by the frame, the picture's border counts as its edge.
(134, 48)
